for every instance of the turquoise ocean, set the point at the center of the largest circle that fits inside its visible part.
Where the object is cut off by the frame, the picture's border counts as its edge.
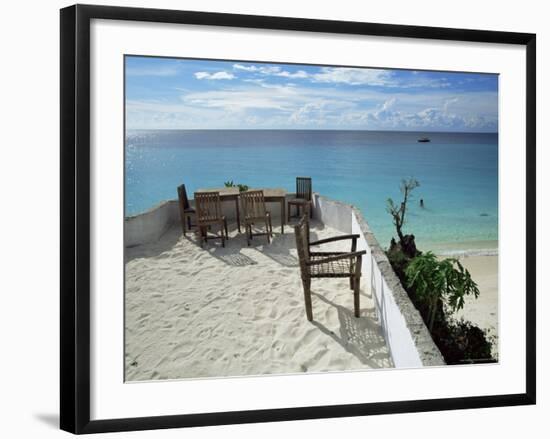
(458, 175)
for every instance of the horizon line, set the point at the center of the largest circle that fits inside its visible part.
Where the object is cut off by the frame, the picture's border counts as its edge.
(306, 129)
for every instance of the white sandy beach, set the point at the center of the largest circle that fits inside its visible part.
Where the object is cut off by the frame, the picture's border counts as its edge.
(483, 311)
(213, 312)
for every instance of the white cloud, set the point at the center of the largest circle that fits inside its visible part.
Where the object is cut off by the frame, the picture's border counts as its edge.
(245, 68)
(375, 77)
(269, 105)
(447, 103)
(271, 71)
(217, 75)
(300, 74)
(353, 76)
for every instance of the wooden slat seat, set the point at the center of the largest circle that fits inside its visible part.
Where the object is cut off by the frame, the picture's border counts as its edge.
(209, 213)
(185, 209)
(303, 197)
(254, 212)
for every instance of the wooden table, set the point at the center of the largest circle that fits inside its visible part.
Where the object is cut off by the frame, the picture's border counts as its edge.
(270, 195)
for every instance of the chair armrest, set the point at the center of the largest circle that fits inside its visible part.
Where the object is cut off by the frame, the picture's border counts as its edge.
(327, 254)
(334, 238)
(337, 258)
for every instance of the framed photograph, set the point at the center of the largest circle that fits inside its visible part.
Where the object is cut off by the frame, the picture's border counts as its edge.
(273, 218)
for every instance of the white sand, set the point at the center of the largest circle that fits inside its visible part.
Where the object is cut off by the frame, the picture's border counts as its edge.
(239, 310)
(483, 311)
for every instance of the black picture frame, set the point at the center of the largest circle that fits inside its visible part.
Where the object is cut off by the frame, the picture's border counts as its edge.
(75, 217)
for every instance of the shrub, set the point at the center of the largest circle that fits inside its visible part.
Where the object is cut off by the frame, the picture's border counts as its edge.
(462, 342)
(436, 281)
(242, 187)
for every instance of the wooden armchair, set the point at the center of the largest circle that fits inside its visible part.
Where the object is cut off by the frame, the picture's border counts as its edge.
(254, 211)
(186, 211)
(327, 264)
(303, 197)
(209, 213)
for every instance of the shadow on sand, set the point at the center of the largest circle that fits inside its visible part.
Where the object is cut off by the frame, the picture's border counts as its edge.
(360, 337)
(278, 250)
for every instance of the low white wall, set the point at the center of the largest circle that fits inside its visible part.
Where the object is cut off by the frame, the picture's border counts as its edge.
(409, 341)
(332, 213)
(151, 225)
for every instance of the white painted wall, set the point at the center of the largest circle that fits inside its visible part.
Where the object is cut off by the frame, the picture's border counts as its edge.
(407, 337)
(149, 226)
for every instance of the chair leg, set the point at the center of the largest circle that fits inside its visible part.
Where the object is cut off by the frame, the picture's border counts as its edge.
(356, 298)
(202, 232)
(267, 230)
(248, 231)
(184, 222)
(307, 298)
(351, 283)
(225, 225)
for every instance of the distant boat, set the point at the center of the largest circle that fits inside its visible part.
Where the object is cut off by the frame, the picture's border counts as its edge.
(424, 139)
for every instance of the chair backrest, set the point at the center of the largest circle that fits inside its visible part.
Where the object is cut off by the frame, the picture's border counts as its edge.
(253, 204)
(208, 206)
(303, 188)
(182, 197)
(301, 232)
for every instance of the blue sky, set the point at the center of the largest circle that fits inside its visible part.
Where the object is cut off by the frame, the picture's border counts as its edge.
(166, 93)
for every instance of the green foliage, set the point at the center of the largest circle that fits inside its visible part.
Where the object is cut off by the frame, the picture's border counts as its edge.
(242, 187)
(437, 288)
(462, 342)
(399, 262)
(434, 280)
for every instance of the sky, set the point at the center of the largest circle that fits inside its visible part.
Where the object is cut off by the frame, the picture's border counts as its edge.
(170, 93)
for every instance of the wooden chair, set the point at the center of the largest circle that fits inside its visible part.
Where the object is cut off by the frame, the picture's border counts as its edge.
(209, 213)
(253, 206)
(186, 211)
(327, 264)
(303, 197)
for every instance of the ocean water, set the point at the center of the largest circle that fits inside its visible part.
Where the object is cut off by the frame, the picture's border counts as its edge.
(458, 175)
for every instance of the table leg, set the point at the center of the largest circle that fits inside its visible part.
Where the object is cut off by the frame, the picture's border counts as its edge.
(238, 214)
(283, 215)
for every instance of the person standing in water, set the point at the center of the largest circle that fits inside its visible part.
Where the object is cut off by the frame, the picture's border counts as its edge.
(422, 202)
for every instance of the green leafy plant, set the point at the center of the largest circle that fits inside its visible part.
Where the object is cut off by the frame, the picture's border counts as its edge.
(242, 187)
(439, 281)
(460, 342)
